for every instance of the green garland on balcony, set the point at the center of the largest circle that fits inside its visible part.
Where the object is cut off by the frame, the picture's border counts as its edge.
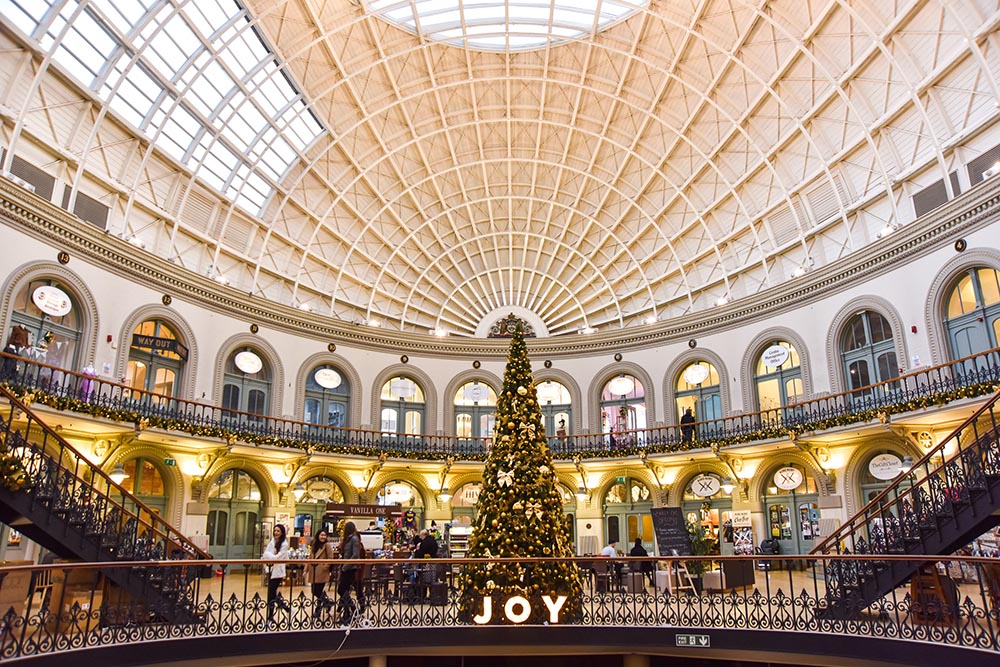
(122, 415)
(13, 476)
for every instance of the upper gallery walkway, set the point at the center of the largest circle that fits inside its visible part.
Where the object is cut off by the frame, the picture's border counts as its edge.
(936, 386)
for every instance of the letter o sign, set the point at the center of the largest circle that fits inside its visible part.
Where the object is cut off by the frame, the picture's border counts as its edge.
(522, 615)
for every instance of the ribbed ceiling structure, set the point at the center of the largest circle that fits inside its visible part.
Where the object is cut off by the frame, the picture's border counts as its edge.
(431, 166)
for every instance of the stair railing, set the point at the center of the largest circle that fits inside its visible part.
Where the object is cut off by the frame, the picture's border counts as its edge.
(901, 517)
(58, 479)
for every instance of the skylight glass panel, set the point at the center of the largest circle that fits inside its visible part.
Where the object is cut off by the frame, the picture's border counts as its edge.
(234, 102)
(498, 24)
(125, 14)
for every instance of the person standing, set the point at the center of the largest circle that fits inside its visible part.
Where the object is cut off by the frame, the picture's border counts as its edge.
(319, 574)
(687, 426)
(350, 549)
(277, 549)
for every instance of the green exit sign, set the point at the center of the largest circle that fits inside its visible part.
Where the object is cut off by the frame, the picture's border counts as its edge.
(701, 641)
(169, 462)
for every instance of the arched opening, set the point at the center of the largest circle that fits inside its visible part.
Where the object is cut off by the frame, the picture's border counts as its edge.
(234, 513)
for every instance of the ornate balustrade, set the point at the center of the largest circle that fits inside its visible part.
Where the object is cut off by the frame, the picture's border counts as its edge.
(49, 610)
(969, 377)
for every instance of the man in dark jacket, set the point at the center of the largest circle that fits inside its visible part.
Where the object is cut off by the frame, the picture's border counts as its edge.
(427, 547)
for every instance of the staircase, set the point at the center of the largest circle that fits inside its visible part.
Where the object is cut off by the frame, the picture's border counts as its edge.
(947, 499)
(53, 495)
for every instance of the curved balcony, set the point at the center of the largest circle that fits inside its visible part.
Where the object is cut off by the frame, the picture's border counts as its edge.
(969, 377)
(57, 609)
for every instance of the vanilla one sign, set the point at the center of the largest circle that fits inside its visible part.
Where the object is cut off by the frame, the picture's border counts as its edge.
(517, 609)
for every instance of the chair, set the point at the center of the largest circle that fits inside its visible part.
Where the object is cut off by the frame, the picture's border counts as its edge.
(767, 548)
(605, 575)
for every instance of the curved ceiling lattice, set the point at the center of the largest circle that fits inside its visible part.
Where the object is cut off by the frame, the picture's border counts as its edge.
(599, 175)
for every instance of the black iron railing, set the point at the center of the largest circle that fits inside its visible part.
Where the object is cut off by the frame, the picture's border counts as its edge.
(969, 377)
(937, 506)
(45, 475)
(953, 602)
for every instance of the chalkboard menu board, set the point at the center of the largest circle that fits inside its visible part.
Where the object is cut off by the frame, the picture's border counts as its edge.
(671, 531)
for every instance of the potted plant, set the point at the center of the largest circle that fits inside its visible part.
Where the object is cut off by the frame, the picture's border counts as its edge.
(702, 544)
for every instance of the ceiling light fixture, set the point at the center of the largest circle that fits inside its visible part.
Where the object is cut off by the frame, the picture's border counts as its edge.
(118, 474)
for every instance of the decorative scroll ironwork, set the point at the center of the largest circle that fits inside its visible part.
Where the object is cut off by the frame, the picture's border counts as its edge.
(234, 604)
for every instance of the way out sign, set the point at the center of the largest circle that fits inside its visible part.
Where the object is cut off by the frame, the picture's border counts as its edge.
(699, 641)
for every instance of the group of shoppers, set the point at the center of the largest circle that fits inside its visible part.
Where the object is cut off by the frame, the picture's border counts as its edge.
(318, 575)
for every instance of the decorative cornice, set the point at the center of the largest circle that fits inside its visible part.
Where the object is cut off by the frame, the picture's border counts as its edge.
(44, 220)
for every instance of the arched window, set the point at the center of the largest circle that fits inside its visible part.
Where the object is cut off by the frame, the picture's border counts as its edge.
(697, 389)
(623, 408)
(246, 386)
(145, 482)
(328, 397)
(403, 407)
(156, 358)
(45, 325)
(557, 411)
(972, 316)
(475, 410)
(778, 376)
(867, 351)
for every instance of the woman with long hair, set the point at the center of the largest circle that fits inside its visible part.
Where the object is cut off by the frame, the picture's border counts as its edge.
(319, 574)
(350, 548)
(277, 549)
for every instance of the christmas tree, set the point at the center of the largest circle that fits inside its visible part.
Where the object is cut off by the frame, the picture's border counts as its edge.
(520, 512)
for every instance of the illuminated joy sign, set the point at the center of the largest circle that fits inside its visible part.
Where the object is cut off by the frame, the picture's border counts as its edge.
(52, 301)
(517, 609)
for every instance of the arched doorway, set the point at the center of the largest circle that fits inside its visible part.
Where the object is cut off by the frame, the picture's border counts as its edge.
(145, 482)
(555, 402)
(311, 498)
(972, 314)
(777, 380)
(475, 410)
(156, 358)
(46, 327)
(627, 504)
(327, 397)
(234, 512)
(697, 389)
(623, 411)
(706, 503)
(246, 387)
(868, 353)
(791, 508)
(403, 407)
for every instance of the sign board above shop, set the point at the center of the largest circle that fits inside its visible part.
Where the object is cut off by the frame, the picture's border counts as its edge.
(158, 344)
(885, 466)
(774, 356)
(52, 301)
(347, 509)
(788, 478)
(705, 485)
